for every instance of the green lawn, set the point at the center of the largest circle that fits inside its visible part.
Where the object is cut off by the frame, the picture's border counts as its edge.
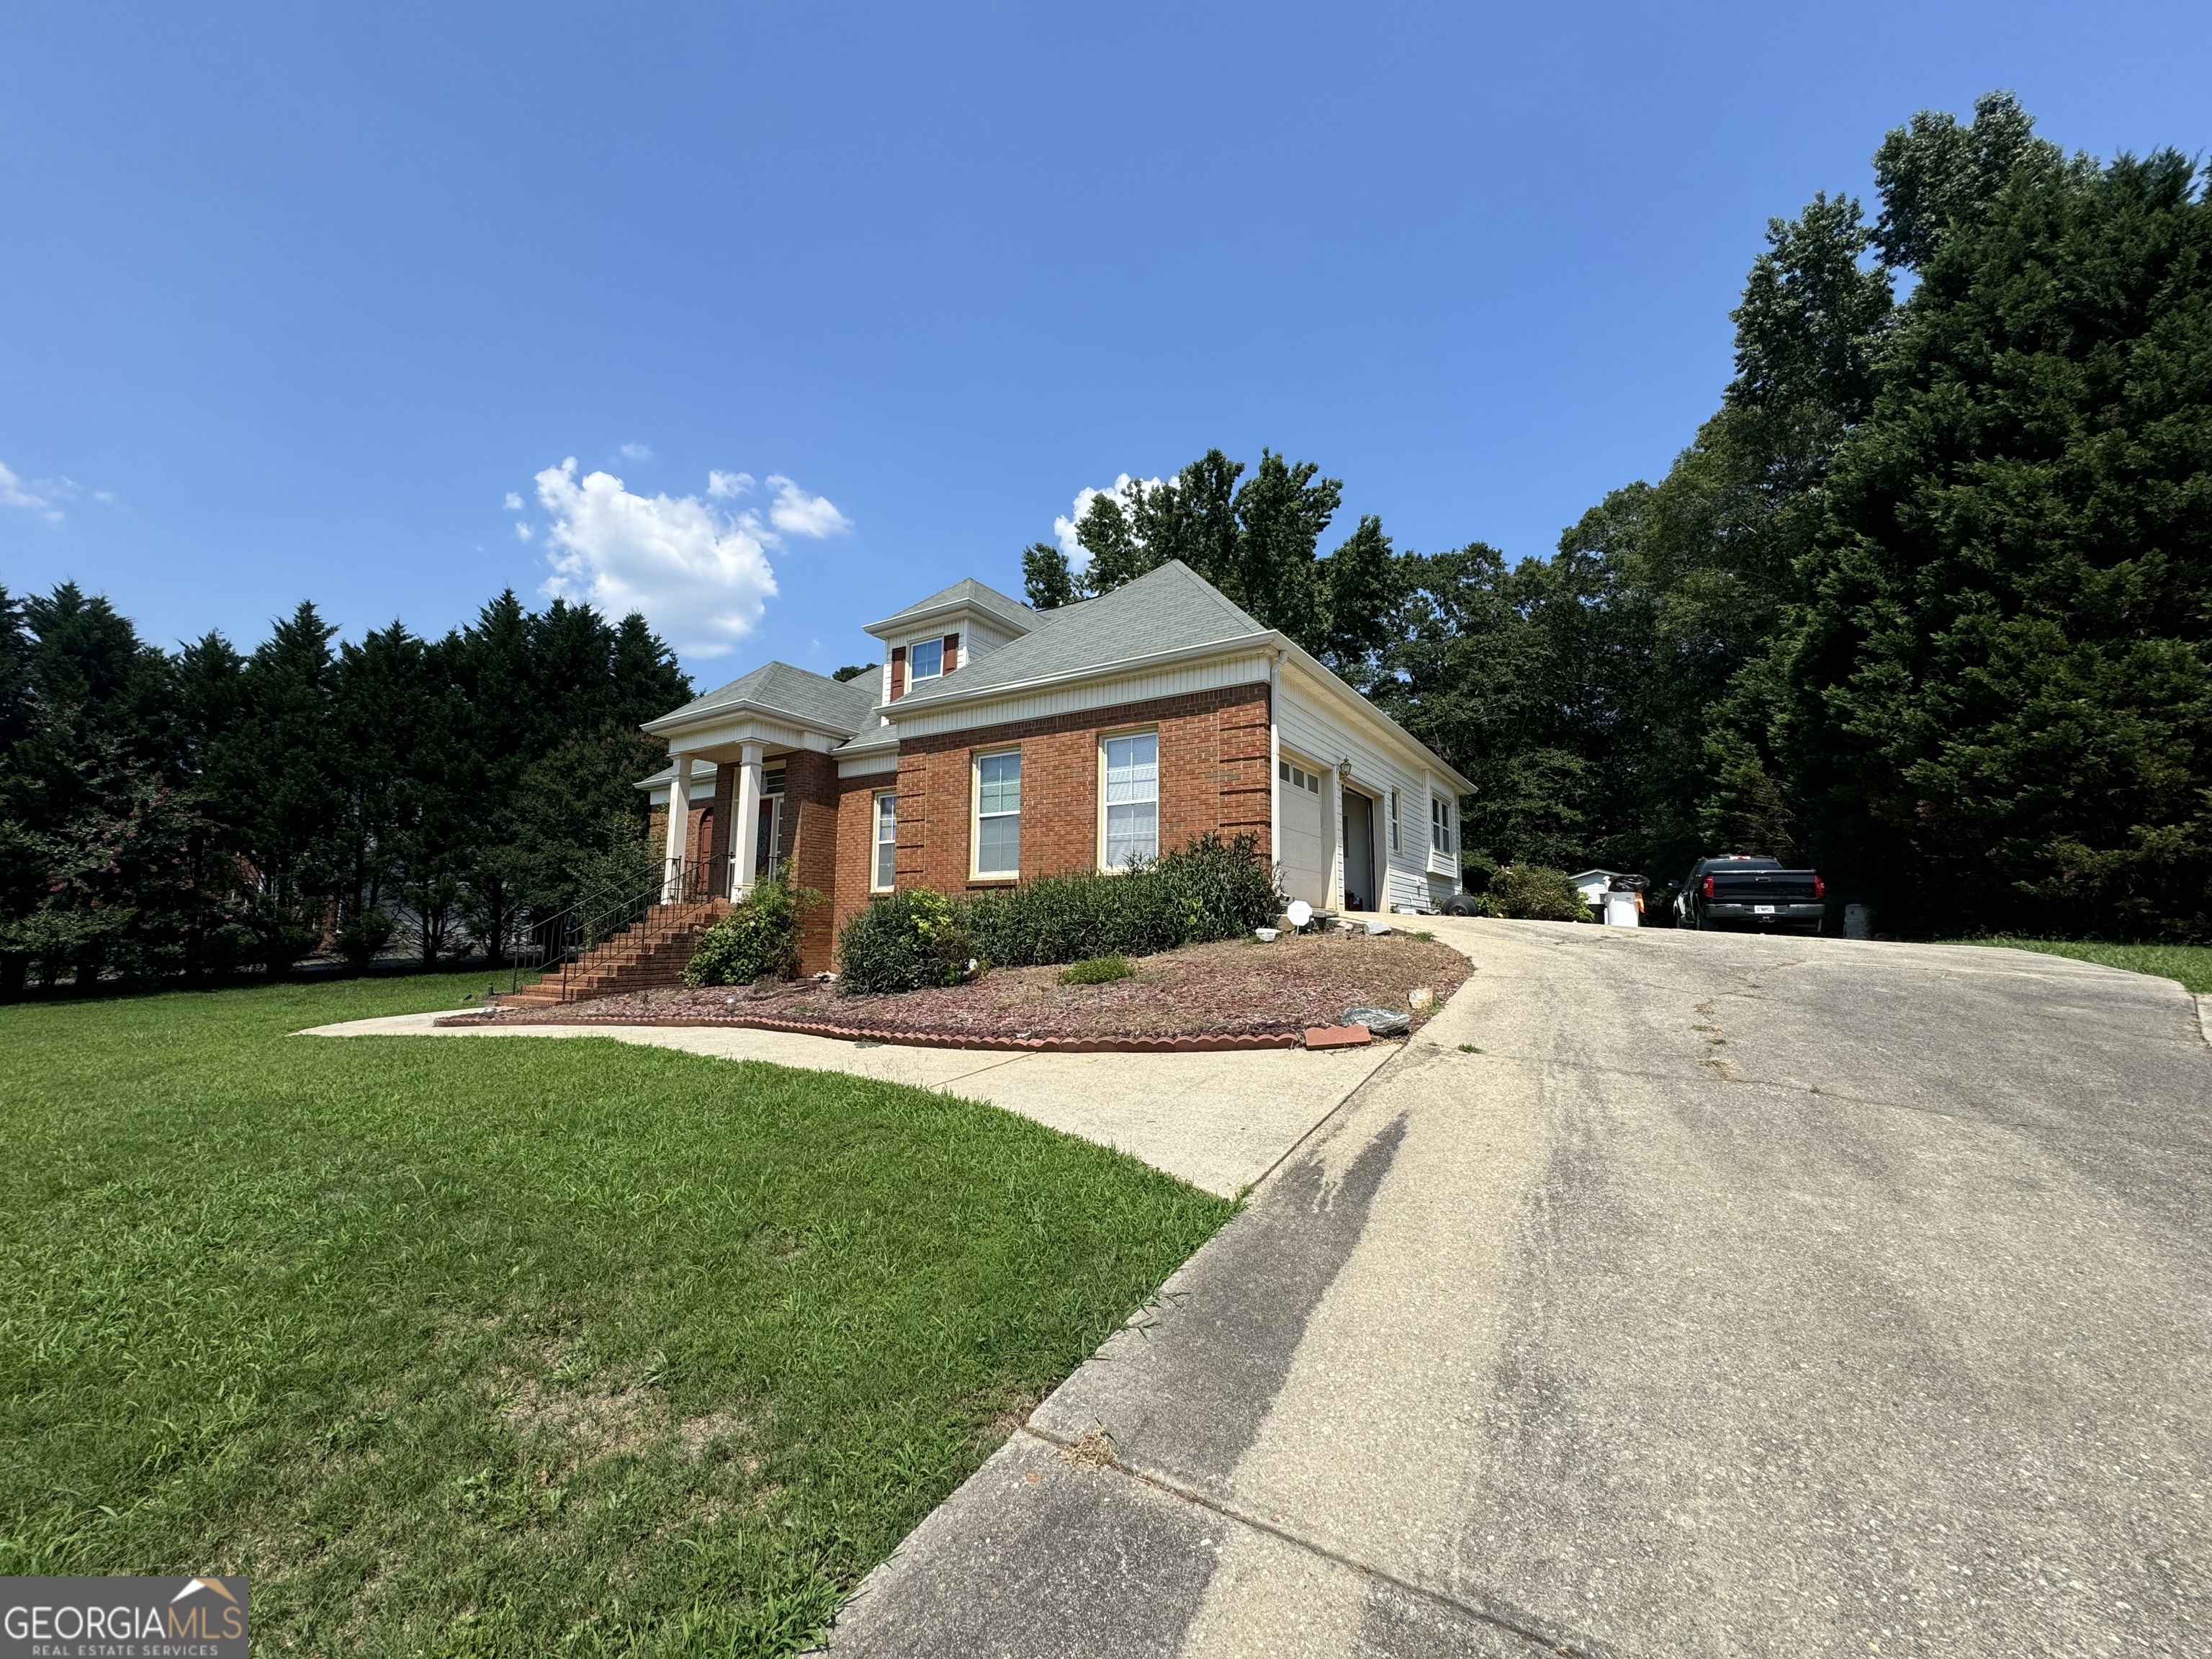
(2190, 964)
(518, 1346)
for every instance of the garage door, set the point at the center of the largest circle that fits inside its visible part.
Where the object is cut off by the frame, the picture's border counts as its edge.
(1306, 848)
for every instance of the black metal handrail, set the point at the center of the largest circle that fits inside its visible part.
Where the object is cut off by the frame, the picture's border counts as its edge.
(557, 943)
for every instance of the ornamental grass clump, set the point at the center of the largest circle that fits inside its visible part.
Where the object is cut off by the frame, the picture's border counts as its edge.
(757, 940)
(1099, 970)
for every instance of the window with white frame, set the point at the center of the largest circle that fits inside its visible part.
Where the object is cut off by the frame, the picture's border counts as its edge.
(886, 841)
(1440, 825)
(1394, 845)
(1132, 798)
(925, 661)
(997, 838)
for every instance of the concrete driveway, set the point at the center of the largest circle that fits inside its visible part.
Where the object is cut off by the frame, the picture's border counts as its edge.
(1742, 1296)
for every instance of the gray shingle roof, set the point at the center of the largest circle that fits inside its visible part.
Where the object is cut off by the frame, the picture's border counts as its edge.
(966, 591)
(1169, 609)
(811, 699)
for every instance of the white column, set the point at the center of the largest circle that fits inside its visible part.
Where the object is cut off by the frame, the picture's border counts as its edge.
(747, 829)
(1336, 871)
(679, 828)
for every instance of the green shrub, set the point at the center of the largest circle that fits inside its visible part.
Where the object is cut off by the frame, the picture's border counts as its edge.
(1534, 892)
(1099, 970)
(1209, 890)
(1071, 917)
(759, 939)
(1224, 888)
(363, 938)
(905, 942)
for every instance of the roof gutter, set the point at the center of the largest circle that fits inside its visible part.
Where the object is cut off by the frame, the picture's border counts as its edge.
(1273, 641)
(958, 698)
(1316, 670)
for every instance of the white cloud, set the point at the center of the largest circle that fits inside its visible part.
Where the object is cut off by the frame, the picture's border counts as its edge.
(636, 452)
(15, 492)
(799, 513)
(514, 503)
(1064, 528)
(522, 531)
(700, 575)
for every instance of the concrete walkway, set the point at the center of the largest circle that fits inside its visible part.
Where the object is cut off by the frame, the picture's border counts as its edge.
(1219, 1121)
(1742, 1296)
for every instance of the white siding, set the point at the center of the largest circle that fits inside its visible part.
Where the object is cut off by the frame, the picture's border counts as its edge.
(1311, 726)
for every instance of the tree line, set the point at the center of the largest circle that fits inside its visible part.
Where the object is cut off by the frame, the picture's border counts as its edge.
(196, 811)
(1927, 602)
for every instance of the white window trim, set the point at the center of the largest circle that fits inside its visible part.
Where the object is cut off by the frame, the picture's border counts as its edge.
(944, 666)
(1396, 844)
(1443, 842)
(876, 842)
(975, 872)
(1125, 732)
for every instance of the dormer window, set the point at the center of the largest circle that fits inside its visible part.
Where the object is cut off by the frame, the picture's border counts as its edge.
(925, 661)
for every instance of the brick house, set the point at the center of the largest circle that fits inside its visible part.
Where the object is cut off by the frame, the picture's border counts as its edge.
(996, 742)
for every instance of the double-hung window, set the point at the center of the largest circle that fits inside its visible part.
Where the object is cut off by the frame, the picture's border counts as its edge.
(886, 841)
(1440, 825)
(1133, 799)
(925, 661)
(998, 814)
(1394, 822)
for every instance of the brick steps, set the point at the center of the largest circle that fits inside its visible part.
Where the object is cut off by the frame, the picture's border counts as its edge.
(648, 954)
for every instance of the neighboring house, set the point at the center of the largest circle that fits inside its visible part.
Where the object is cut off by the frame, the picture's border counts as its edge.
(997, 744)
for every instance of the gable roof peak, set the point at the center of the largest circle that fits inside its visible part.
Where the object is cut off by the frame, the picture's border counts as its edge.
(966, 594)
(838, 708)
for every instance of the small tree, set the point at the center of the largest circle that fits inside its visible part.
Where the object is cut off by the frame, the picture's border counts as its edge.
(1533, 892)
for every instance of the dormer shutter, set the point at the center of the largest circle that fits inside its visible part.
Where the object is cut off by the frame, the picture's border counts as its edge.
(898, 672)
(952, 651)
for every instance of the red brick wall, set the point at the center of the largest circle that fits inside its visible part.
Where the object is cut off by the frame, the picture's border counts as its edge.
(856, 842)
(725, 815)
(810, 834)
(1213, 776)
(656, 833)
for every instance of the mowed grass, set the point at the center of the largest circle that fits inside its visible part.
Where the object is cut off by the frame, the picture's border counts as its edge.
(2190, 964)
(518, 1346)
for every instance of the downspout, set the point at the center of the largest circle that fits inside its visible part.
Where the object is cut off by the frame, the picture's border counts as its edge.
(1275, 763)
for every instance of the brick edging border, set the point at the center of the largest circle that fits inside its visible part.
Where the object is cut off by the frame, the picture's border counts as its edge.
(1219, 1042)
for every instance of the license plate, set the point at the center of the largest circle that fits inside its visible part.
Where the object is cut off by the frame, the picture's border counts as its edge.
(1762, 910)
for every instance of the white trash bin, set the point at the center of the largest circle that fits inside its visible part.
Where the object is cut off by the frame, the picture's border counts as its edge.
(1621, 911)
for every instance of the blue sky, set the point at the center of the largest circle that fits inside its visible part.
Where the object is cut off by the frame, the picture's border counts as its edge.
(297, 299)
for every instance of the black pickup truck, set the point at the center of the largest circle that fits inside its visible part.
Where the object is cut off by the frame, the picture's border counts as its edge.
(1749, 892)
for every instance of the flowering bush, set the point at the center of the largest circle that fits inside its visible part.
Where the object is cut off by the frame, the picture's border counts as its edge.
(757, 940)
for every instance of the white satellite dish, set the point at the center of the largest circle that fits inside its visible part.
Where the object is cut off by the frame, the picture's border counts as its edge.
(1300, 913)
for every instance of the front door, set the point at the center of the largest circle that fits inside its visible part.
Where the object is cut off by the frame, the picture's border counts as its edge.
(1359, 852)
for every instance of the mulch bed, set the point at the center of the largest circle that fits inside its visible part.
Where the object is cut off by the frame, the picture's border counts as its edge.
(1240, 994)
